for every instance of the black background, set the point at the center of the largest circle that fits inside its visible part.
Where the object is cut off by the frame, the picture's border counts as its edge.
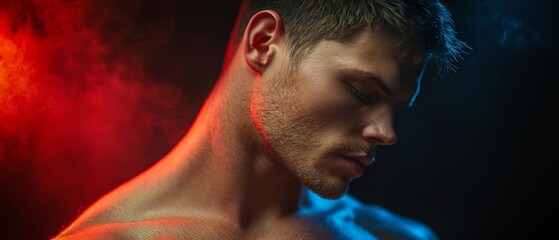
(474, 155)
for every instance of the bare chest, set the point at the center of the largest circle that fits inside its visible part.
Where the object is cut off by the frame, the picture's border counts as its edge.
(207, 230)
(288, 229)
(291, 229)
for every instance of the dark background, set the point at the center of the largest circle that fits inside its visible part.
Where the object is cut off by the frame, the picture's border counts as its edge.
(473, 158)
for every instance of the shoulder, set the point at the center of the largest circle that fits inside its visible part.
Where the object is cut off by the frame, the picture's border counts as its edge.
(355, 220)
(183, 228)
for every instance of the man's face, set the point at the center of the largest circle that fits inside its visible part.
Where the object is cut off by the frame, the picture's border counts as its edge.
(324, 120)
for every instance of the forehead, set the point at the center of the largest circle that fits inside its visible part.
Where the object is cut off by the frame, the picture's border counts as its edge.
(367, 51)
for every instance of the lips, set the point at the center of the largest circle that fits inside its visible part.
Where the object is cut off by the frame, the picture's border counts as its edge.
(363, 159)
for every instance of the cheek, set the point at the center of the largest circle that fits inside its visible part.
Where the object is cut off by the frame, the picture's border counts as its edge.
(329, 104)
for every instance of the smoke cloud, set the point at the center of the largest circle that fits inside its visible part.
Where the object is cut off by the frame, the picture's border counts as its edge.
(502, 20)
(81, 107)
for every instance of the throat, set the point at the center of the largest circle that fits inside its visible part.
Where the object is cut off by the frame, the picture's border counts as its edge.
(268, 200)
(239, 181)
(223, 165)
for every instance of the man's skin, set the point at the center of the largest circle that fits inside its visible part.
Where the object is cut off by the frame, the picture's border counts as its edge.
(262, 134)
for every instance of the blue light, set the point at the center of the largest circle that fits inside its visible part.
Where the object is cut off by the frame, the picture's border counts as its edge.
(352, 219)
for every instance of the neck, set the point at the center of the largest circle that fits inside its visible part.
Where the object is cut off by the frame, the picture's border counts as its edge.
(223, 166)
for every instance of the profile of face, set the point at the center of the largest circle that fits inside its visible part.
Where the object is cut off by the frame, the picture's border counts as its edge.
(324, 120)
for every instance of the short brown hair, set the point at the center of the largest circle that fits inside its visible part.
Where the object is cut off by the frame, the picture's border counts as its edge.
(424, 27)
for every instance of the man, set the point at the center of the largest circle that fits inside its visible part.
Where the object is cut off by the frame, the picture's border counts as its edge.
(307, 93)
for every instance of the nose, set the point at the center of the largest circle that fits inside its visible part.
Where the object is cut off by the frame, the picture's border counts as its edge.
(380, 128)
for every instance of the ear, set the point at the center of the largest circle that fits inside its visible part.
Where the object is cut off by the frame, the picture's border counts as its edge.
(263, 33)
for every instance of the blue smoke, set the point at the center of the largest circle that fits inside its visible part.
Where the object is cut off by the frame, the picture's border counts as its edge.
(505, 23)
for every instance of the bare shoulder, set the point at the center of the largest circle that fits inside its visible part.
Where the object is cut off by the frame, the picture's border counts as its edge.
(183, 228)
(351, 219)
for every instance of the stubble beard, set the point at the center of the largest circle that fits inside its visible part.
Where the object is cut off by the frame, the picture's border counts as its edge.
(292, 136)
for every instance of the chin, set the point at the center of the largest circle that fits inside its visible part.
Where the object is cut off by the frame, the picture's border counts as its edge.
(330, 190)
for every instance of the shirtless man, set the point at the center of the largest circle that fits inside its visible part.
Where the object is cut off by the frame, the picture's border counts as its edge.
(307, 93)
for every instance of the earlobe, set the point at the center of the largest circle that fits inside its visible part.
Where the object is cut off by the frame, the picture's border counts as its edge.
(262, 33)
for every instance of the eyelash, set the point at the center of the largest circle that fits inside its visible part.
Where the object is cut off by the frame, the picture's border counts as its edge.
(362, 97)
(365, 99)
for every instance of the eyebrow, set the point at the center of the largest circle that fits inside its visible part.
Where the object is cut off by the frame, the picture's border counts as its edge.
(378, 81)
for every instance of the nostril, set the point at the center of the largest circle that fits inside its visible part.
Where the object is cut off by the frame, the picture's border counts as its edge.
(379, 135)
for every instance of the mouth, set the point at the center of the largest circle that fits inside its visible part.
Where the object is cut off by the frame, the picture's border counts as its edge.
(357, 164)
(364, 160)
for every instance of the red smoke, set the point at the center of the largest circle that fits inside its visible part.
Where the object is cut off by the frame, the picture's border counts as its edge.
(77, 111)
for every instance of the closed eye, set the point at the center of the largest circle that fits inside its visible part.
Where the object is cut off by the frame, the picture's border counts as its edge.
(367, 98)
(364, 98)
